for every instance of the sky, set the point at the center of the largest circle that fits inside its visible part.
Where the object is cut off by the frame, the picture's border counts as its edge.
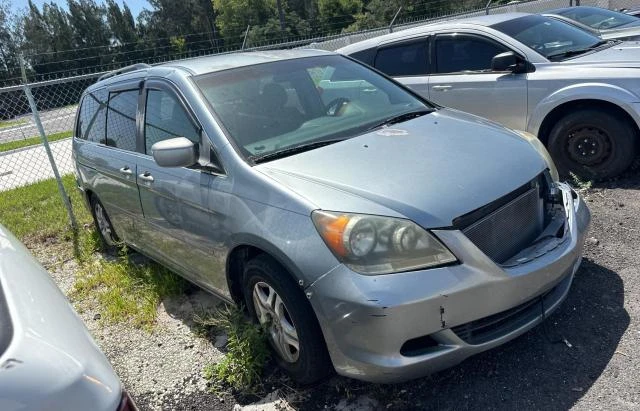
(136, 6)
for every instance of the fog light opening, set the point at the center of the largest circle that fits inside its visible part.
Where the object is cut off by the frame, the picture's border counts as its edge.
(419, 346)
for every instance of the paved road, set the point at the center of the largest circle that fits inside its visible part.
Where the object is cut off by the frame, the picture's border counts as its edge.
(26, 166)
(53, 121)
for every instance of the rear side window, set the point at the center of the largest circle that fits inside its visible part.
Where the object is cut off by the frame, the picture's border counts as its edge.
(121, 119)
(92, 119)
(407, 59)
(457, 53)
(166, 118)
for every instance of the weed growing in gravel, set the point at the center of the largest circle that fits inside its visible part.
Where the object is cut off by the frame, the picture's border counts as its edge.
(580, 183)
(247, 351)
(126, 290)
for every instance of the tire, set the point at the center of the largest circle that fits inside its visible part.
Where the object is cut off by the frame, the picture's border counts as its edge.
(105, 230)
(593, 144)
(308, 364)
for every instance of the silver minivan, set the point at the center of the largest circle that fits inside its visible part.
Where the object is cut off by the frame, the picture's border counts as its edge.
(369, 231)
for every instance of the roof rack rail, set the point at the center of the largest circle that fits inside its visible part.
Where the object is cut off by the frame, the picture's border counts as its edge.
(127, 69)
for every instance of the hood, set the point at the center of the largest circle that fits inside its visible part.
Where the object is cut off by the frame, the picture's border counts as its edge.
(625, 54)
(629, 32)
(431, 169)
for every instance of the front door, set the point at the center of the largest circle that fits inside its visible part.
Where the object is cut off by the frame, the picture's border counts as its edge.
(462, 78)
(175, 201)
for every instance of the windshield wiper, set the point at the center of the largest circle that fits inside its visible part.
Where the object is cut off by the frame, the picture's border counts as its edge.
(575, 52)
(292, 150)
(401, 117)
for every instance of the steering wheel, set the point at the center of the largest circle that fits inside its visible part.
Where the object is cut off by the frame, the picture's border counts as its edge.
(335, 106)
(605, 24)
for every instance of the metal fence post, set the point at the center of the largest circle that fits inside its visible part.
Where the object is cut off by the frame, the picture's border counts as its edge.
(393, 20)
(45, 143)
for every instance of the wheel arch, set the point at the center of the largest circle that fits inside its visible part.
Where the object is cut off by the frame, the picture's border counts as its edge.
(244, 249)
(563, 109)
(577, 96)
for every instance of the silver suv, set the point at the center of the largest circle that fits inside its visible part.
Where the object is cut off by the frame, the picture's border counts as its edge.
(366, 229)
(578, 93)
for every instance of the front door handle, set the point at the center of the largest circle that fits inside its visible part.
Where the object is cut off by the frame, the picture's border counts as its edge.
(126, 171)
(441, 88)
(146, 176)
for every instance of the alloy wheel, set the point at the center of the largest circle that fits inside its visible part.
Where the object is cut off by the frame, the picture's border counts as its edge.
(103, 224)
(273, 314)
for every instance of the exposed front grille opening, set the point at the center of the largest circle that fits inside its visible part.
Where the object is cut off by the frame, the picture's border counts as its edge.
(418, 346)
(510, 228)
(495, 326)
(513, 222)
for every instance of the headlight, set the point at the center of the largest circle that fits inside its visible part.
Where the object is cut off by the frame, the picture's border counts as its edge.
(542, 150)
(379, 245)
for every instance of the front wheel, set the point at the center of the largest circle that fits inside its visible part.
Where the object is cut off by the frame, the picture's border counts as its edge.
(278, 304)
(593, 144)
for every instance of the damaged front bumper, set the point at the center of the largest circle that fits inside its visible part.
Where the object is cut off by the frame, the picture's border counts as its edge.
(392, 328)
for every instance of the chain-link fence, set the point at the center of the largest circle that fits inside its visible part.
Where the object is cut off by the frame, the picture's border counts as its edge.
(24, 158)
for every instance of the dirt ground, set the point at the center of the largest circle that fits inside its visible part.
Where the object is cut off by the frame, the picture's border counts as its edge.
(597, 367)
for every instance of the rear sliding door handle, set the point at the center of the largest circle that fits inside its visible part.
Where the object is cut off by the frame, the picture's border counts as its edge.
(126, 171)
(441, 88)
(146, 177)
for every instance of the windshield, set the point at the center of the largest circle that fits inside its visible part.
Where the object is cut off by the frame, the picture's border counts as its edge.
(275, 107)
(597, 18)
(547, 36)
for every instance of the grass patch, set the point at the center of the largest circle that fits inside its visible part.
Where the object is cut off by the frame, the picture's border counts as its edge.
(247, 351)
(34, 141)
(11, 123)
(37, 211)
(126, 290)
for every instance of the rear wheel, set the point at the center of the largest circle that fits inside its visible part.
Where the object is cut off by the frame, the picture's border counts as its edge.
(593, 144)
(278, 304)
(103, 224)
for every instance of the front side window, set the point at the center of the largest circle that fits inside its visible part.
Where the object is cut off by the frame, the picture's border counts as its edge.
(276, 107)
(409, 59)
(459, 53)
(92, 118)
(166, 118)
(554, 39)
(121, 120)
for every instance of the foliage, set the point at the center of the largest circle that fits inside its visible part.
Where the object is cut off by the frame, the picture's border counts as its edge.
(95, 35)
(247, 350)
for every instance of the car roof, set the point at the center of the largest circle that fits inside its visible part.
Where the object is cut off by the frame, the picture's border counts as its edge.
(209, 64)
(484, 20)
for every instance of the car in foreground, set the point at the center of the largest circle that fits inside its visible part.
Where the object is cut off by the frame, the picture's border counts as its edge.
(368, 230)
(607, 24)
(578, 93)
(48, 359)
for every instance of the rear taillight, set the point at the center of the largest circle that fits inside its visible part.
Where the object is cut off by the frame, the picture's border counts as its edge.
(126, 403)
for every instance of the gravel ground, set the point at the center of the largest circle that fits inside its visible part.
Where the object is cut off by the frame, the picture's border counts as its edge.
(596, 368)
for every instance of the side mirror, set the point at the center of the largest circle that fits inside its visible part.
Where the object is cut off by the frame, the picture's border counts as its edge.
(508, 61)
(175, 152)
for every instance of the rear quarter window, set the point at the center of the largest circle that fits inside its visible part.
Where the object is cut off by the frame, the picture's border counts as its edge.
(92, 117)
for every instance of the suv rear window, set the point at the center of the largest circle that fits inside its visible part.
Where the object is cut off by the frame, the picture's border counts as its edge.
(92, 118)
(121, 119)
